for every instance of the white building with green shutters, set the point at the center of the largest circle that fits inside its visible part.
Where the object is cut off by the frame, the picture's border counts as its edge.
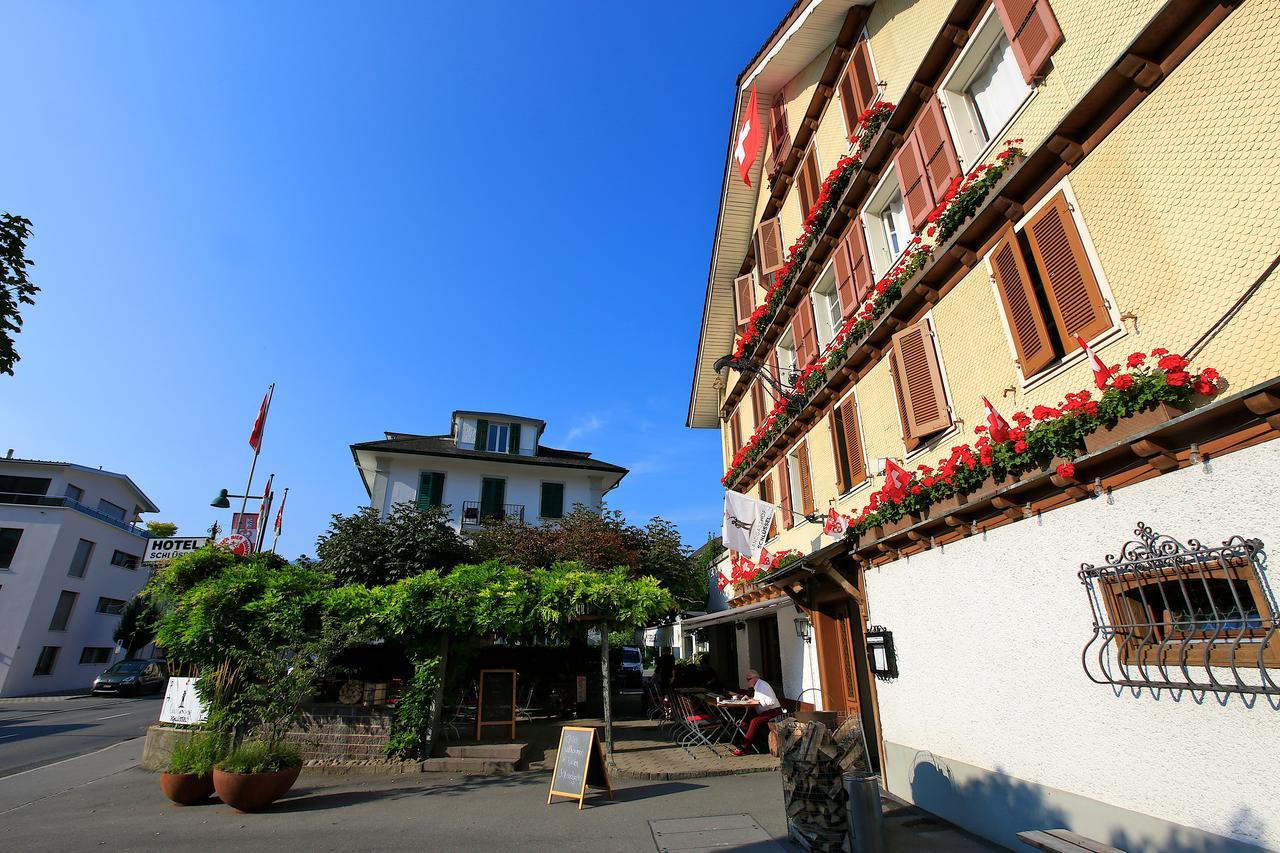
(488, 466)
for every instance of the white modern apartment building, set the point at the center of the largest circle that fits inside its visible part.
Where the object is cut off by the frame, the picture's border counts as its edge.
(69, 555)
(488, 466)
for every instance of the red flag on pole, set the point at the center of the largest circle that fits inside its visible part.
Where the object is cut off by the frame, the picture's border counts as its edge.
(1101, 375)
(255, 437)
(266, 504)
(280, 513)
(747, 142)
(997, 426)
(896, 479)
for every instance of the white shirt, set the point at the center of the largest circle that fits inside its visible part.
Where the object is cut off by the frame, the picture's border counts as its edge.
(764, 694)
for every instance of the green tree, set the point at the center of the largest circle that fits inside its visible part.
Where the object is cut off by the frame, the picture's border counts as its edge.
(161, 529)
(15, 288)
(363, 548)
(137, 624)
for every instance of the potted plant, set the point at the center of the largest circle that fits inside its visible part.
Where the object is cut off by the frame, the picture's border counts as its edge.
(189, 778)
(256, 774)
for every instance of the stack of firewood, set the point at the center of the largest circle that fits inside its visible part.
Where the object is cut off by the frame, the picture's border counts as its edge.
(814, 759)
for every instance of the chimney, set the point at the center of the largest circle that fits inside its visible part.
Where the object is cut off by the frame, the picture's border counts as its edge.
(9, 455)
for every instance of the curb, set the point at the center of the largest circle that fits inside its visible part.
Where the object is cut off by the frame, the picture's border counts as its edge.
(52, 697)
(674, 775)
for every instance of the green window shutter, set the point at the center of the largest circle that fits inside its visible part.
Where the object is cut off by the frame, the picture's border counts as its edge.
(491, 497)
(514, 447)
(437, 490)
(482, 434)
(426, 484)
(552, 500)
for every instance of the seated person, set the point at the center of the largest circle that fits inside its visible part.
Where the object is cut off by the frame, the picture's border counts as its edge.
(767, 707)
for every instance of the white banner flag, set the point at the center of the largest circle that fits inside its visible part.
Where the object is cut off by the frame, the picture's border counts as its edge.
(746, 523)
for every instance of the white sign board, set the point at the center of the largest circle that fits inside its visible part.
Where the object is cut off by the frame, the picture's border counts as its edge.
(182, 703)
(163, 550)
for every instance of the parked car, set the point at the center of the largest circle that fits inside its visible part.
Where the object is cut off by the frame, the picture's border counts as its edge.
(630, 672)
(133, 677)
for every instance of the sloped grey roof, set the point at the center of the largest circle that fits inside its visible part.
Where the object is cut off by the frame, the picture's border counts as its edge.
(443, 445)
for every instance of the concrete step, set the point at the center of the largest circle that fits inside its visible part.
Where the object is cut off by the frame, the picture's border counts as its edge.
(469, 766)
(512, 752)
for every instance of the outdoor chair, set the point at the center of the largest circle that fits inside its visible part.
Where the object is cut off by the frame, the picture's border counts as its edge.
(696, 726)
(524, 711)
(461, 714)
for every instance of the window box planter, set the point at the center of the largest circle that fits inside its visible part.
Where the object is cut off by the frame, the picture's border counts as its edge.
(1132, 425)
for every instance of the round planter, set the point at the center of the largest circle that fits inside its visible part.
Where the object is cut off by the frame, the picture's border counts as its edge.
(251, 792)
(186, 789)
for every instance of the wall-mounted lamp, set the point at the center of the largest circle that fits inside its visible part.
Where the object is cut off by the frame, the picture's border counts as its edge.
(741, 626)
(880, 652)
(804, 628)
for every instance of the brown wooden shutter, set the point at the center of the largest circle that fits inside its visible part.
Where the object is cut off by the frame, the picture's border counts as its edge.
(757, 403)
(1033, 33)
(777, 372)
(940, 161)
(806, 480)
(857, 86)
(837, 451)
(769, 246)
(916, 192)
(803, 332)
(1030, 334)
(1074, 295)
(852, 440)
(844, 274)
(784, 489)
(744, 298)
(922, 391)
(808, 184)
(735, 433)
(909, 441)
(779, 135)
(860, 260)
(766, 495)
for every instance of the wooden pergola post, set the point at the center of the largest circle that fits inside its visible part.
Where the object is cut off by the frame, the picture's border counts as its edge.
(608, 699)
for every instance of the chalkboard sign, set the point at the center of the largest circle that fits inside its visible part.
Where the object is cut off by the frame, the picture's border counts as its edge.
(579, 764)
(497, 700)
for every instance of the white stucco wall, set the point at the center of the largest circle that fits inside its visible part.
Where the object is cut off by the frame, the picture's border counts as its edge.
(30, 588)
(463, 478)
(989, 633)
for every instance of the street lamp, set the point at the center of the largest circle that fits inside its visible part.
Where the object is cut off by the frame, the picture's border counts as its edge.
(222, 500)
(796, 399)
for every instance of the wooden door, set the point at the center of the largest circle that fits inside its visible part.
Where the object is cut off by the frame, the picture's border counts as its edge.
(834, 625)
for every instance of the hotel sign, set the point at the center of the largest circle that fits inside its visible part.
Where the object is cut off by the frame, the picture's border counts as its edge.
(165, 549)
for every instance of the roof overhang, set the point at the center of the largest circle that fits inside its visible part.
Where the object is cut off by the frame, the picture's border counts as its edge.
(810, 28)
(145, 503)
(735, 614)
(366, 459)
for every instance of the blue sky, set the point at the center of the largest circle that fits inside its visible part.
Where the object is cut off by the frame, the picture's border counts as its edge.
(390, 210)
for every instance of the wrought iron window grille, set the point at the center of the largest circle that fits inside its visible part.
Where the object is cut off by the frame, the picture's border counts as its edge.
(1183, 617)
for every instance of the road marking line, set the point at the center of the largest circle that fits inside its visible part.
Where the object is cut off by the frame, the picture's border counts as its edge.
(64, 761)
(112, 717)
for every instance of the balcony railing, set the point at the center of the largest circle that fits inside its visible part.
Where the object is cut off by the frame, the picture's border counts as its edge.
(48, 500)
(473, 514)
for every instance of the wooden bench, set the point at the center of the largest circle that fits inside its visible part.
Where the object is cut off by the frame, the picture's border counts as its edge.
(1064, 841)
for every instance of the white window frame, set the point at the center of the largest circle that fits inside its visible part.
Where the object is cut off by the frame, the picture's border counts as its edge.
(505, 444)
(825, 324)
(790, 364)
(971, 148)
(1116, 331)
(793, 477)
(881, 252)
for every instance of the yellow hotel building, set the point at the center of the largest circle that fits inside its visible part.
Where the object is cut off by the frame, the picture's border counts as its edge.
(1078, 629)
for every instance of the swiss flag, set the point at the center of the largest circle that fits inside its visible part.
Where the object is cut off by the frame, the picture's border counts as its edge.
(1101, 374)
(836, 523)
(997, 426)
(896, 479)
(746, 144)
(255, 437)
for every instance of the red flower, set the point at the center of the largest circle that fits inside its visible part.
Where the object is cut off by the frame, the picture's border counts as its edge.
(1177, 378)
(1210, 374)
(1172, 362)
(1136, 359)
(915, 488)
(1019, 446)
(1122, 382)
(1203, 387)
(1067, 470)
(1159, 351)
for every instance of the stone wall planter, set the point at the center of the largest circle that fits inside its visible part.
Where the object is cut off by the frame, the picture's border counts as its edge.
(1132, 425)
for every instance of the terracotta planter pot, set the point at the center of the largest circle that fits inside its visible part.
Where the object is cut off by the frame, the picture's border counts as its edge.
(1131, 425)
(251, 792)
(186, 789)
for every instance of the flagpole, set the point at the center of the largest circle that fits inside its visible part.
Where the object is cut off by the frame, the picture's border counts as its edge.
(244, 503)
(276, 539)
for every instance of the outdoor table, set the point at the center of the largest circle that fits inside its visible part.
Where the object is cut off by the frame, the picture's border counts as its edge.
(736, 712)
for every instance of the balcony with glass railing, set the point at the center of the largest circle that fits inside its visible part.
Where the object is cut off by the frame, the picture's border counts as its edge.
(20, 499)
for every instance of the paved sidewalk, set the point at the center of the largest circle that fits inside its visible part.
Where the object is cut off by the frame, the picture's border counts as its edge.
(641, 750)
(104, 801)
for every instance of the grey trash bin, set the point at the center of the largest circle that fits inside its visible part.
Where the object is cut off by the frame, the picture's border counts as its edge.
(866, 821)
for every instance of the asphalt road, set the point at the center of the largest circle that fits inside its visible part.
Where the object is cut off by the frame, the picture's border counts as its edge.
(36, 733)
